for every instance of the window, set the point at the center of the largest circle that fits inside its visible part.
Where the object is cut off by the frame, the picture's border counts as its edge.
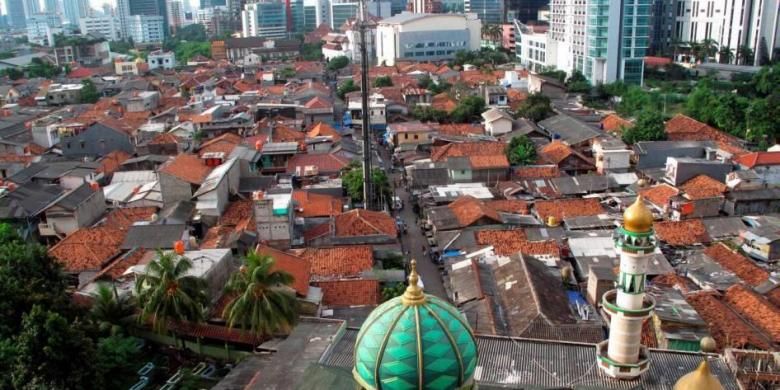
(416, 136)
(82, 144)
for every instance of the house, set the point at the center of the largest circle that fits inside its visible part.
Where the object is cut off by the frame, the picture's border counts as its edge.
(213, 195)
(506, 243)
(752, 202)
(742, 267)
(23, 207)
(96, 140)
(275, 156)
(409, 133)
(311, 205)
(495, 96)
(443, 102)
(765, 164)
(684, 128)
(464, 212)
(762, 243)
(317, 109)
(159, 59)
(565, 158)
(547, 86)
(611, 155)
(61, 94)
(675, 323)
(87, 251)
(181, 176)
(488, 169)
(654, 154)
(139, 101)
(729, 329)
(155, 236)
(467, 293)
(497, 122)
(75, 209)
(316, 164)
(416, 97)
(339, 272)
(685, 233)
(354, 227)
(702, 196)
(560, 209)
(274, 214)
(615, 124)
(681, 169)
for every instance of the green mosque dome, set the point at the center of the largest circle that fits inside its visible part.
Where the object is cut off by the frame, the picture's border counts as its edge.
(415, 341)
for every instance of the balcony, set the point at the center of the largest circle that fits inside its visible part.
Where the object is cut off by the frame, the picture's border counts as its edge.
(47, 230)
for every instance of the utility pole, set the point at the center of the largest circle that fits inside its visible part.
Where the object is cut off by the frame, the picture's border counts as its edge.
(367, 182)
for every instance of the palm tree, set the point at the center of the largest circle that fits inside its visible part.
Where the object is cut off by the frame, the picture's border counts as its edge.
(166, 293)
(725, 55)
(263, 300)
(708, 49)
(745, 55)
(109, 308)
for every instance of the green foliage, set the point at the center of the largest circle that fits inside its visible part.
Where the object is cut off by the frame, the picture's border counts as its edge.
(577, 83)
(166, 293)
(429, 114)
(729, 114)
(352, 180)
(109, 309)
(536, 107)
(767, 80)
(12, 73)
(41, 68)
(337, 63)
(89, 93)
(383, 81)
(469, 109)
(436, 88)
(6, 54)
(761, 115)
(635, 100)
(347, 87)
(187, 50)
(745, 55)
(480, 58)
(192, 33)
(311, 51)
(521, 151)
(553, 73)
(285, 73)
(117, 359)
(264, 300)
(393, 262)
(122, 47)
(393, 290)
(649, 126)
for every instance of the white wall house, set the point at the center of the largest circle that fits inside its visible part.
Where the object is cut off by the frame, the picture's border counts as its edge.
(161, 60)
(534, 48)
(105, 26)
(497, 122)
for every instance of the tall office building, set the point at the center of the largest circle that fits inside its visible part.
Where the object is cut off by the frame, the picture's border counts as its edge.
(567, 34)
(175, 14)
(343, 10)
(16, 15)
(267, 18)
(146, 28)
(523, 10)
(212, 3)
(74, 10)
(149, 8)
(488, 11)
(31, 7)
(52, 6)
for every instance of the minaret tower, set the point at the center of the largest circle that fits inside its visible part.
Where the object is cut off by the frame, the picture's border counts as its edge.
(623, 355)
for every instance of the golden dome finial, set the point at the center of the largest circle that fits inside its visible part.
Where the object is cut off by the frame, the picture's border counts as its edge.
(637, 218)
(699, 379)
(413, 294)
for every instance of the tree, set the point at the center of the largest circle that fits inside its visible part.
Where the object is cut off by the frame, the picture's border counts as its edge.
(311, 51)
(729, 113)
(469, 109)
(264, 300)
(166, 293)
(187, 50)
(393, 290)
(383, 81)
(745, 55)
(192, 33)
(109, 308)
(577, 83)
(521, 151)
(41, 68)
(426, 82)
(649, 126)
(429, 114)
(767, 79)
(12, 73)
(633, 101)
(337, 63)
(122, 47)
(725, 55)
(707, 48)
(352, 180)
(347, 87)
(116, 359)
(89, 93)
(701, 101)
(763, 53)
(536, 108)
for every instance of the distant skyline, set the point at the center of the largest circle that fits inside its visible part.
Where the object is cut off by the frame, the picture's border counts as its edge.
(96, 4)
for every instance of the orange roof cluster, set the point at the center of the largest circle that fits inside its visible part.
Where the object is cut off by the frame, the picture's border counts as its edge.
(325, 162)
(684, 128)
(513, 206)
(460, 129)
(555, 152)
(322, 129)
(469, 210)
(726, 327)
(659, 195)
(283, 133)
(111, 162)
(467, 149)
(187, 167)
(224, 143)
(567, 208)
(294, 265)
(613, 123)
(123, 218)
(537, 172)
(88, 249)
(339, 262)
(240, 214)
(703, 187)
(310, 204)
(740, 265)
(755, 309)
(443, 102)
(360, 222)
(681, 233)
(350, 292)
(677, 282)
(752, 160)
(510, 242)
(487, 162)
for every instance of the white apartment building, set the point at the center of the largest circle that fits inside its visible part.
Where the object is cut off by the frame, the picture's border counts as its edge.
(106, 26)
(267, 19)
(534, 48)
(567, 29)
(74, 10)
(146, 28)
(426, 37)
(347, 44)
(175, 9)
(41, 30)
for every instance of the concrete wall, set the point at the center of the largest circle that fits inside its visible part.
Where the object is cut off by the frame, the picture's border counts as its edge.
(174, 189)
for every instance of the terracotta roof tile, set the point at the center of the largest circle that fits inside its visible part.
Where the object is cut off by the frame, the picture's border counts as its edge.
(648, 335)
(469, 210)
(187, 167)
(726, 327)
(323, 129)
(659, 195)
(684, 128)
(460, 129)
(217, 237)
(88, 249)
(681, 233)
(443, 102)
(537, 172)
(310, 204)
(468, 149)
(613, 123)
(751, 160)
(567, 208)
(350, 292)
(239, 214)
(510, 242)
(513, 206)
(123, 218)
(487, 162)
(339, 262)
(740, 265)
(224, 143)
(294, 265)
(118, 267)
(677, 282)
(325, 162)
(755, 308)
(112, 161)
(702, 187)
(165, 138)
(516, 97)
(360, 222)
(555, 152)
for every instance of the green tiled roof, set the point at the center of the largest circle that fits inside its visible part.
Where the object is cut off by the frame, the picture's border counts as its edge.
(415, 346)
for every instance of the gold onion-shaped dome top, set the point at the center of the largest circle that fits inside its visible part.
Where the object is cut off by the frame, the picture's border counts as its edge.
(637, 218)
(699, 379)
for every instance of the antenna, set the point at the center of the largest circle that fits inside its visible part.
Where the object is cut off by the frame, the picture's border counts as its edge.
(367, 190)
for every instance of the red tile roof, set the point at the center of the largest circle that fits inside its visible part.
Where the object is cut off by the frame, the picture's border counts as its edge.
(468, 149)
(318, 102)
(567, 208)
(681, 233)
(755, 308)
(513, 206)
(80, 73)
(702, 187)
(239, 214)
(537, 172)
(224, 143)
(677, 282)
(165, 138)
(310, 204)
(118, 267)
(740, 265)
(469, 210)
(510, 242)
(350, 292)
(88, 249)
(555, 152)
(360, 222)
(613, 123)
(684, 128)
(659, 195)
(187, 167)
(488, 162)
(283, 133)
(123, 218)
(460, 129)
(339, 262)
(112, 161)
(323, 129)
(751, 160)
(443, 102)
(325, 162)
(294, 265)
(726, 327)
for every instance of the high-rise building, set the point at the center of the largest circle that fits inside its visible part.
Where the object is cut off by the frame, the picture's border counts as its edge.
(212, 3)
(75, 10)
(567, 34)
(39, 30)
(343, 10)
(52, 6)
(146, 28)
(488, 11)
(524, 10)
(123, 14)
(150, 8)
(267, 18)
(175, 14)
(106, 26)
(422, 6)
(31, 7)
(16, 14)
(623, 355)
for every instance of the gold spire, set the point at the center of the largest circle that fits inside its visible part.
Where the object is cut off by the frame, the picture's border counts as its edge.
(699, 379)
(413, 294)
(637, 218)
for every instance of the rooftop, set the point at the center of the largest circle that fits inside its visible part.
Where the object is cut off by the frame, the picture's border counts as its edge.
(681, 233)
